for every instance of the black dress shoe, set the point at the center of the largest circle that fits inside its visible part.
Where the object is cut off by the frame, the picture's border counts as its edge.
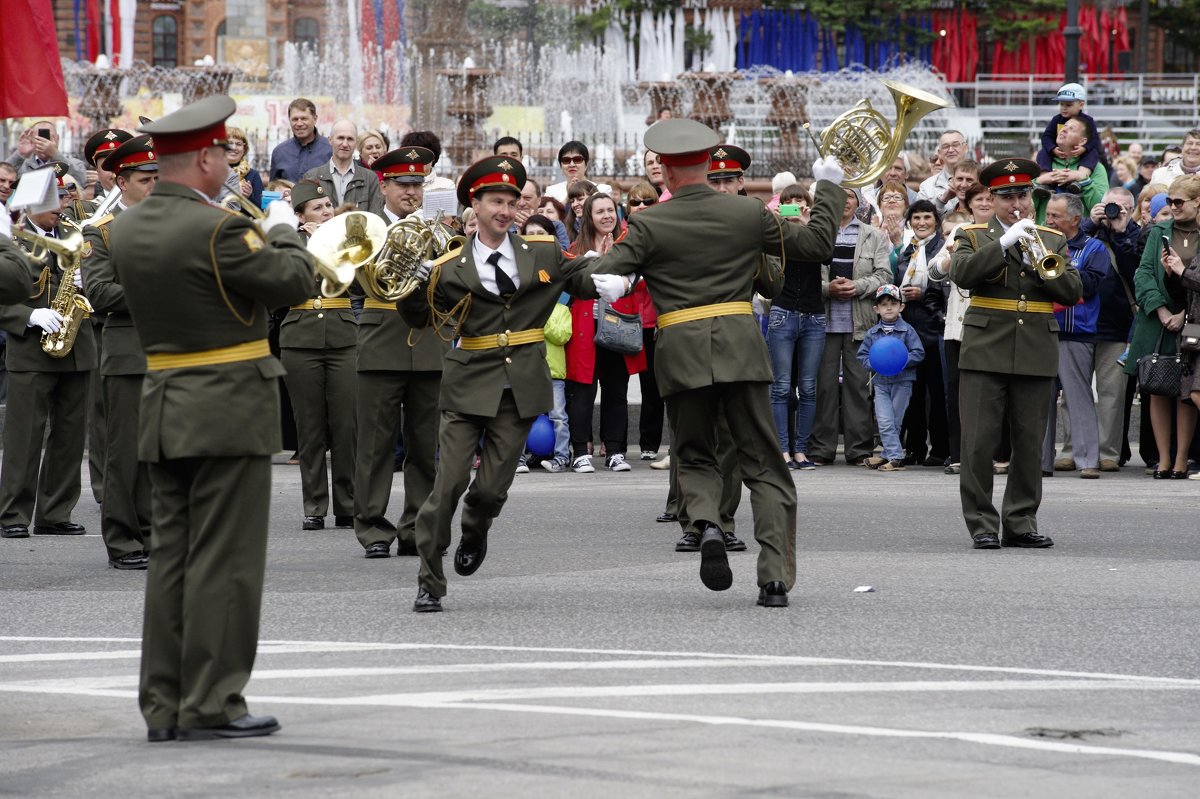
(378, 550)
(986, 541)
(427, 603)
(313, 523)
(666, 518)
(406, 550)
(773, 595)
(1028, 541)
(343, 521)
(467, 559)
(61, 528)
(733, 543)
(246, 727)
(689, 542)
(714, 563)
(132, 561)
(14, 531)
(161, 734)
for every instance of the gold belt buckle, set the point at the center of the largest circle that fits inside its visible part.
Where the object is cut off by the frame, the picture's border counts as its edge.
(502, 339)
(1022, 305)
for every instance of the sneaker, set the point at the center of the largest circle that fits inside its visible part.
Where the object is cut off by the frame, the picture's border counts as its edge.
(522, 466)
(555, 465)
(647, 455)
(583, 465)
(804, 464)
(616, 463)
(663, 463)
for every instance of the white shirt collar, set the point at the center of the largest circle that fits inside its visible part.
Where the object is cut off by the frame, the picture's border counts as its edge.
(508, 262)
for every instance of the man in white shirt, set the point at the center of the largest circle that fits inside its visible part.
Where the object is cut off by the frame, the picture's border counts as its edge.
(1186, 164)
(952, 148)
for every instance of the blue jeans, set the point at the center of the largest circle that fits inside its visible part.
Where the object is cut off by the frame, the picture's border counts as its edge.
(795, 341)
(891, 402)
(558, 416)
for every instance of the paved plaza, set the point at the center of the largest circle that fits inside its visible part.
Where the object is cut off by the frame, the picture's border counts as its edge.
(586, 660)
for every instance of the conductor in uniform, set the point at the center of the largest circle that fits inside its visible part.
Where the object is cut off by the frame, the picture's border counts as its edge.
(198, 283)
(497, 293)
(1009, 356)
(700, 255)
(399, 378)
(125, 511)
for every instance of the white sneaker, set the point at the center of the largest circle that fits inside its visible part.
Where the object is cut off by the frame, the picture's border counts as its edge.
(616, 463)
(554, 465)
(664, 463)
(522, 466)
(647, 455)
(583, 465)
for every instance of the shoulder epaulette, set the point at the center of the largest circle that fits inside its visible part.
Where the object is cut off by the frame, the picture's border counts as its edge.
(447, 257)
(542, 237)
(978, 226)
(104, 220)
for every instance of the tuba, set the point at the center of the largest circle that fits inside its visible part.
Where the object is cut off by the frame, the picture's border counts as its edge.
(343, 245)
(392, 274)
(861, 139)
(68, 301)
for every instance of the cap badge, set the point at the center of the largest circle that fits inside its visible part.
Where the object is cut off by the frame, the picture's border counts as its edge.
(1011, 167)
(505, 178)
(1012, 178)
(320, 189)
(720, 153)
(505, 166)
(720, 165)
(413, 154)
(412, 167)
(112, 134)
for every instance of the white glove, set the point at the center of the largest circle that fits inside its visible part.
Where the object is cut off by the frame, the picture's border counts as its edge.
(47, 319)
(279, 213)
(78, 279)
(5, 223)
(422, 273)
(1021, 230)
(611, 287)
(827, 168)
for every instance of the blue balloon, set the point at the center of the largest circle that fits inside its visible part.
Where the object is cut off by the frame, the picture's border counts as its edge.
(888, 356)
(540, 440)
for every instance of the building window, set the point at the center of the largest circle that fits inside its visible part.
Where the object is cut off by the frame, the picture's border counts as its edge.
(166, 47)
(305, 32)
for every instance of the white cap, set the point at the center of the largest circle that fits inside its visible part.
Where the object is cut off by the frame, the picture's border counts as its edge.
(781, 181)
(1070, 93)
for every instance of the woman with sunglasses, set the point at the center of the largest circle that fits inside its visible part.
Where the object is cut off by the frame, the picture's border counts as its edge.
(589, 366)
(1163, 299)
(573, 159)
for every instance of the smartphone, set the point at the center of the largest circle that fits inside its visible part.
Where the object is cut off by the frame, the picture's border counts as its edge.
(43, 133)
(1166, 242)
(789, 209)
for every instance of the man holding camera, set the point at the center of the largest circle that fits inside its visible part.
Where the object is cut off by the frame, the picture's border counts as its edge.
(1111, 222)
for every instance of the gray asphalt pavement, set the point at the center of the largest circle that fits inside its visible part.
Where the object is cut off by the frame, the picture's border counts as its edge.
(585, 659)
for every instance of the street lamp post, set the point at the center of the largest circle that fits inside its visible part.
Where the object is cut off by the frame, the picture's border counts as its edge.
(1071, 34)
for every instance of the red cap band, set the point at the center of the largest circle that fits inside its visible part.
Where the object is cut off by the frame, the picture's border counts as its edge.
(494, 180)
(685, 159)
(402, 170)
(1016, 180)
(172, 143)
(133, 160)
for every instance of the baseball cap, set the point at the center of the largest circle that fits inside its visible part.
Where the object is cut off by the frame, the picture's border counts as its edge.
(1070, 93)
(1149, 160)
(888, 290)
(1158, 202)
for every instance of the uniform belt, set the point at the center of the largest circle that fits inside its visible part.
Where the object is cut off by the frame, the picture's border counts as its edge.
(379, 306)
(246, 351)
(505, 339)
(1020, 306)
(323, 303)
(705, 312)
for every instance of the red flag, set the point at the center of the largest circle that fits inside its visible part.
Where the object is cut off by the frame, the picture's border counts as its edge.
(31, 78)
(93, 29)
(114, 24)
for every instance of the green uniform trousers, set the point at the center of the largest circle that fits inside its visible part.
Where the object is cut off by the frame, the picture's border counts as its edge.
(97, 431)
(772, 491)
(986, 401)
(125, 512)
(503, 442)
(321, 384)
(37, 400)
(204, 588)
(381, 398)
(731, 483)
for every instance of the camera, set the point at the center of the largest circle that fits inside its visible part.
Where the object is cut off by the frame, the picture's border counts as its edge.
(1112, 211)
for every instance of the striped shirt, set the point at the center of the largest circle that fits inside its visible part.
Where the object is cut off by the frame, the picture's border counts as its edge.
(841, 312)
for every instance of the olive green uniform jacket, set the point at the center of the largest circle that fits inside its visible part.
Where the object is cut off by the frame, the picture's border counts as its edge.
(14, 273)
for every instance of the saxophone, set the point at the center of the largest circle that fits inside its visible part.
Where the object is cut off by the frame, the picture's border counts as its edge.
(70, 304)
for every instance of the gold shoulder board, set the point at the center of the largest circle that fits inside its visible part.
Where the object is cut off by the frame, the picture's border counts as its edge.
(1045, 229)
(544, 237)
(450, 256)
(104, 220)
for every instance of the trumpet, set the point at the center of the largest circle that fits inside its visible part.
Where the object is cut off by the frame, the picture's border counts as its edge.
(1050, 265)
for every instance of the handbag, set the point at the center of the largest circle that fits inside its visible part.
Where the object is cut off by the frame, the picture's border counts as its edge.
(616, 331)
(1189, 337)
(1160, 374)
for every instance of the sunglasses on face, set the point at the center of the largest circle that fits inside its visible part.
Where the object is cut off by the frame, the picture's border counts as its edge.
(572, 159)
(1177, 202)
(639, 203)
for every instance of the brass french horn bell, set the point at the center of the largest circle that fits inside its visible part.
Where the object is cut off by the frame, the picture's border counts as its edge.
(864, 143)
(342, 245)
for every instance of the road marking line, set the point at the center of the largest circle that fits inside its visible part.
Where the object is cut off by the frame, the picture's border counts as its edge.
(284, 647)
